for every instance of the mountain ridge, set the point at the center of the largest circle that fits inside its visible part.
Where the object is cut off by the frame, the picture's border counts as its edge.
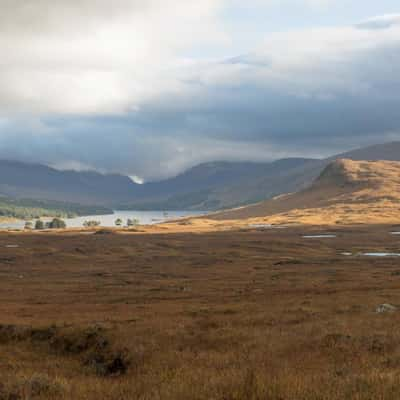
(208, 186)
(347, 191)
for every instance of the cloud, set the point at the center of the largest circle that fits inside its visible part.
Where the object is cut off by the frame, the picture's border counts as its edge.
(304, 88)
(90, 57)
(113, 88)
(313, 4)
(381, 22)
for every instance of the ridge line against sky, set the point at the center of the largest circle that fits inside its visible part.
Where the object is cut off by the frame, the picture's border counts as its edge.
(151, 88)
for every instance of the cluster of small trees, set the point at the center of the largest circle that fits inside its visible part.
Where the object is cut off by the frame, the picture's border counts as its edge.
(55, 223)
(130, 222)
(58, 223)
(28, 225)
(91, 224)
(133, 222)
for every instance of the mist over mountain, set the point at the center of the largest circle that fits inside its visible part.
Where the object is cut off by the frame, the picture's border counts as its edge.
(220, 185)
(209, 186)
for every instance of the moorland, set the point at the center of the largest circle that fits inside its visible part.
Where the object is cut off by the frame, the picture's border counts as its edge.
(293, 298)
(240, 314)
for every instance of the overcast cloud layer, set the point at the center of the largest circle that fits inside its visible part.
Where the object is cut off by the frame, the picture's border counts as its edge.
(138, 88)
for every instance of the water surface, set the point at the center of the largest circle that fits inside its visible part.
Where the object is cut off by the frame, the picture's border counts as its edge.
(108, 220)
(327, 236)
(372, 254)
(378, 254)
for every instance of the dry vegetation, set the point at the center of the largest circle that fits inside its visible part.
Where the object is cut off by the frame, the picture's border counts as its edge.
(225, 315)
(347, 192)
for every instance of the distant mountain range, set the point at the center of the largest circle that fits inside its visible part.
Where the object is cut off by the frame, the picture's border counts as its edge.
(35, 181)
(220, 185)
(208, 186)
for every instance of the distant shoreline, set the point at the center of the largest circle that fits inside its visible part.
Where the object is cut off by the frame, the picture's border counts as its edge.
(4, 220)
(117, 219)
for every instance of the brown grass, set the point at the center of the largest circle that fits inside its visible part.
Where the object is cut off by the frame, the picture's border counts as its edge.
(228, 315)
(347, 192)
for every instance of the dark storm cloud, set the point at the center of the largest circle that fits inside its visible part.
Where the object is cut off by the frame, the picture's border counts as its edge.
(309, 93)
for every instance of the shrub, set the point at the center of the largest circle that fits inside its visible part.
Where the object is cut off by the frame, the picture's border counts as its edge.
(56, 223)
(91, 224)
(39, 224)
(28, 225)
(132, 222)
(35, 387)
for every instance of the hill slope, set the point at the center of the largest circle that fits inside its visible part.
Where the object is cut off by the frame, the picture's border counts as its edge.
(29, 209)
(221, 185)
(386, 151)
(35, 181)
(346, 192)
(209, 186)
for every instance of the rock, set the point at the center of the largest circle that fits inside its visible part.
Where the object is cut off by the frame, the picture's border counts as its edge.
(385, 308)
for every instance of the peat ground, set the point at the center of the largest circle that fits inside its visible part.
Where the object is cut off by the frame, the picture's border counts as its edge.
(251, 314)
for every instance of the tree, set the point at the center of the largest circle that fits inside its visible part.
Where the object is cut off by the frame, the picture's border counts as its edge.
(91, 224)
(132, 222)
(118, 222)
(39, 224)
(28, 225)
(57, 223)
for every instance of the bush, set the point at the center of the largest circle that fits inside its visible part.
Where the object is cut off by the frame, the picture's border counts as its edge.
(39, 224)
(28, 225)
(91, 224)
(56, 223)
(35, 387)
(132, 222)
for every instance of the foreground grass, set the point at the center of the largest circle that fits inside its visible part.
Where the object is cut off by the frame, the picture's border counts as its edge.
(244, 315)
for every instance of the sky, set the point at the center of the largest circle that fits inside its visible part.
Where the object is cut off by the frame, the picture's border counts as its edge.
(149, 89)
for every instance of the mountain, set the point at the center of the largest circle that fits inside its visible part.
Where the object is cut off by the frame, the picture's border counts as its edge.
(35, 181)
(29, 209)
(346, 191)
(208, 186)
(387, 151)
(220, 185)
